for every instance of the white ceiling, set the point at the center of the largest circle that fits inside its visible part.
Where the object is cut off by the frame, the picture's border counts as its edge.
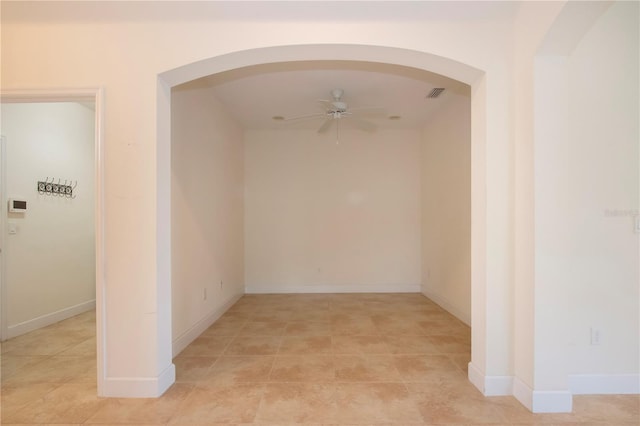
(254, 95)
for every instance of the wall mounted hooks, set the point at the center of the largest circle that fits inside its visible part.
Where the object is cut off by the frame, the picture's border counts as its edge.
(51, 187)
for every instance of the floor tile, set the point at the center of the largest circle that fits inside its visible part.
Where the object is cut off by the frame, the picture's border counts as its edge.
(451, 344)
(263, 328)
(309, 368)
(312, 360)
(57, 369)
(445, 327)
(360, 345)
(225, 327)
(239, 369)
(421, 368)
(12, 364)
(315, 345)
(254, 345)
(207, 346)
(307, 328)
(68, 403)
(40, 343)
(453, 402)
(235, 403)
(366, 368)
(85, 348)
(311, 314)
(461, 360)
(192, 369)
(353, 326)
(141, 410)
(607, 408)
(410, 345)
(15, 396)
(375, 403)
(297, 403)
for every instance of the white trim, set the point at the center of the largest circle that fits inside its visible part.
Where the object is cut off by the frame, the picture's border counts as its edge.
(101, 323)
(445, 304)
(498, 385)
(552, 402)
(542, 401)
(602, 384)
(48, 319)
(198, 328)
(49, 95)
(490, 385)
(476, 377)
(4, 335)
(350, 288)
(523, 393)
(136, 387)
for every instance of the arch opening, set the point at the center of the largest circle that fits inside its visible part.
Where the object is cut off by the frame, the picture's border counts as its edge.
(256, 61)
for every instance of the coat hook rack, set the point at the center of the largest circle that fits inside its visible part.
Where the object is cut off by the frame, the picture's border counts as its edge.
(51, 187)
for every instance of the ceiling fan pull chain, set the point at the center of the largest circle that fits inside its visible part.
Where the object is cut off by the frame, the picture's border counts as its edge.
(337, 131)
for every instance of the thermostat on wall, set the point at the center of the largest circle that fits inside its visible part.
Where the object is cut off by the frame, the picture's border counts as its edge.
(17, 205)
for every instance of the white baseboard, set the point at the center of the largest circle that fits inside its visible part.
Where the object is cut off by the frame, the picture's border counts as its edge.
(447, 306)
(136, 387)
(48, 319)
(476, 377)
(523, 393)
(490, 385)
(601, 384)
(352, 288)
(542, 401)
(198, 328)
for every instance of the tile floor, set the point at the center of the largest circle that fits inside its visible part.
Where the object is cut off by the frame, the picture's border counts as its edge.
(353, 359)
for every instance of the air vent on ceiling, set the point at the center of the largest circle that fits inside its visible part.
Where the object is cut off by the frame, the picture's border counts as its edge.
(434, 93)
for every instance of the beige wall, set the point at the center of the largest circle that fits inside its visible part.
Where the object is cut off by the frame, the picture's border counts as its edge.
(50, 260)
(587, 183)
(327, 217)
(446, 207)
(207, 210)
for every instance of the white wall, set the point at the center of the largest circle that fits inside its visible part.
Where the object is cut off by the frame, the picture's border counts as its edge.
(587, 168)
(50, 260)
(207, 211)
(327, 217)
(446, 207)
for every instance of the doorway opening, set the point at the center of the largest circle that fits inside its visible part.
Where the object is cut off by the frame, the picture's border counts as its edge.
(52, 165)
(216, 66)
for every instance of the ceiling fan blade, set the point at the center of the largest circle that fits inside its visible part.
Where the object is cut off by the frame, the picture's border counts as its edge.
(367, 126)
(326, 125)
(306, 117)
(324, 104)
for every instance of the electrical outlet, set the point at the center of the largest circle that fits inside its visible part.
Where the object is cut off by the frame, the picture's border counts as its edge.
(596, 336)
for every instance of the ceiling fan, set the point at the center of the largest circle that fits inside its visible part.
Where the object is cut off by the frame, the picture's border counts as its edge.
(336, 109)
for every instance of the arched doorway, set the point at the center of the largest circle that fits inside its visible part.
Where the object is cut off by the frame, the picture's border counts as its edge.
(383, 55)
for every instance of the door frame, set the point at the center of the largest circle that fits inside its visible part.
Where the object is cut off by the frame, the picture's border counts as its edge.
(96, 96)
